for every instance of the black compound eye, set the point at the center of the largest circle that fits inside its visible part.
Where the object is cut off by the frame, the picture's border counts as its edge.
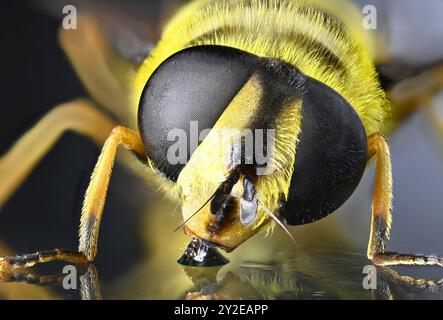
(331, 155)
(186, 95)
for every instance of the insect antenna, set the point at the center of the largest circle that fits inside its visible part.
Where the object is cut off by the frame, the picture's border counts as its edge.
(203, 205)
(276, 219)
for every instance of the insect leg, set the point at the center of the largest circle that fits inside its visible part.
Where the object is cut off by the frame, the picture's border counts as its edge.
(11, 263)
(90, 284)
(92, 207)
(104, 73)
(89, 280)
(381, 212)
(96, 192)
(415, 92)
(78, 115)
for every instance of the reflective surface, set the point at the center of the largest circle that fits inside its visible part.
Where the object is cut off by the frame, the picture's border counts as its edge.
(323, 274)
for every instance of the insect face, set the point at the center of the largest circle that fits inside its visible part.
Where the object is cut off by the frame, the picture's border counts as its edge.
(252, 107)
(261, 113)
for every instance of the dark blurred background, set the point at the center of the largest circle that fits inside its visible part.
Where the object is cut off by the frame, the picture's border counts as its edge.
(45, 211)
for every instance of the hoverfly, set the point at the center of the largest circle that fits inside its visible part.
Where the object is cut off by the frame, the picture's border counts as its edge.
(304, 69)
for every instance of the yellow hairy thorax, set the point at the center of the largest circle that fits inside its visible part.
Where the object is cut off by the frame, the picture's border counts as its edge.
(294, 31)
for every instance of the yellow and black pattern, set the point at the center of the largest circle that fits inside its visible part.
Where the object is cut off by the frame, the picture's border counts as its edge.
(300, 32)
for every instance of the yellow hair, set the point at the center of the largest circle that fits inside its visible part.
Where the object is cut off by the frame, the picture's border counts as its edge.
(262, 27)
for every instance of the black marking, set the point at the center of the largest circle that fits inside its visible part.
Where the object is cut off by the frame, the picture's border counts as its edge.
(281, 84)
(331, 155)
(329, 20)
(223, 203)
(380, 228)
(42, 281)
(88, 226)
(47, 254)
(90, 284)
(380, 234)
(22, 260)
(89, 223)
(329, 58)
(225, 31)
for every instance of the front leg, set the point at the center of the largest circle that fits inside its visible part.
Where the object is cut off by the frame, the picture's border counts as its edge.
(381, 212)
(92, 207)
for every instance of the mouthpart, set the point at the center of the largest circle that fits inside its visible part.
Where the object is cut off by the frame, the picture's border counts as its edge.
(202, 253)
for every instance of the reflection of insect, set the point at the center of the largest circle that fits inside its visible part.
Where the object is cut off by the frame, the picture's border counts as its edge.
(299, 67)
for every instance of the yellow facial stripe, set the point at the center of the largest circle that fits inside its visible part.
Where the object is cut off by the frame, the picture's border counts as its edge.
(214, 150)
(209, 163)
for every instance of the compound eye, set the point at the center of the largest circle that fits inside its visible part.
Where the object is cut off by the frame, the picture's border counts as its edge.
(185, 96)
(331, 155)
